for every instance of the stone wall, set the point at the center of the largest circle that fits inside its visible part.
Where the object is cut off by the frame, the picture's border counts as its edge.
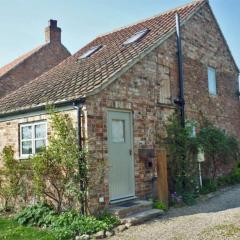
(10, 130)
(204, 46)
(139, 89)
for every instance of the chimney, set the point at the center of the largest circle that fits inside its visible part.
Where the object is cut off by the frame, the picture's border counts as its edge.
(52, 32)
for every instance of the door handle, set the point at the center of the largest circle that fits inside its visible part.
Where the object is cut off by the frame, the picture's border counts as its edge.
(130, 152)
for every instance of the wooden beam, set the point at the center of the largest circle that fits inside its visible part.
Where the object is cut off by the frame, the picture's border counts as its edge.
(162, 179)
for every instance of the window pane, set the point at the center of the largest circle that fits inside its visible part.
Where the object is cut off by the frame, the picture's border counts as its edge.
(39, 145)
(118, 131)
(27, 132)
(27, 147)
(90, 51)
(40, 131)
(135, 37)
(212, 81)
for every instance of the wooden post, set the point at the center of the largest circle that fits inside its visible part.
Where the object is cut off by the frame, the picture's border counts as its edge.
(162, 179)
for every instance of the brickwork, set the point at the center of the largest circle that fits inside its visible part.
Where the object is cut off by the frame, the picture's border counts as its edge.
(139, 91)
(10, 130)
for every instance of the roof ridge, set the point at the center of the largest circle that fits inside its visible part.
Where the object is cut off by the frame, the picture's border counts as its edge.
(193, 2)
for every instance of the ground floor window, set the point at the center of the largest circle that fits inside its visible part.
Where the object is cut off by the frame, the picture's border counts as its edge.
(33, 136)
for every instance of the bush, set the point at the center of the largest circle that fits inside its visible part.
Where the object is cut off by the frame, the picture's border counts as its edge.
(182, 152)
(65, 225)
(219, 148)
(159, 205)
(189, 198)
(37, 215)
(208, 186)
(57, 169)
(12, 185)
(231, 178)
(109, 219)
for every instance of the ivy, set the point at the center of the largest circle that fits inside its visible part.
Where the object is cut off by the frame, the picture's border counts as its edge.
(219, 147)
(182, 150)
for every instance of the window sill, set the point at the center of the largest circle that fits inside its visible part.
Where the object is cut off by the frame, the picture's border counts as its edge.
(213, 95)
(24, 157)
(169, 105)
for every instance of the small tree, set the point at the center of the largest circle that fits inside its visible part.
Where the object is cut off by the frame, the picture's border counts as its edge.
(182, 150)
(59, 168)
(11, 178)
(219, 147)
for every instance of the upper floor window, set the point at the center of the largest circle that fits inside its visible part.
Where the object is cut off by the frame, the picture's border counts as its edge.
(90, 52)
(33, 137)
(164, 84)
(212, 82)
(136, 36)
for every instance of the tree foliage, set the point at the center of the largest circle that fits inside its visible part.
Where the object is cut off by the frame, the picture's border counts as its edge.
(182, 150)
(59, 168)
(219, 147)
(11, 179)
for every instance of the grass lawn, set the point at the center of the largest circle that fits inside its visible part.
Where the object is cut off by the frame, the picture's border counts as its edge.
(9, 230)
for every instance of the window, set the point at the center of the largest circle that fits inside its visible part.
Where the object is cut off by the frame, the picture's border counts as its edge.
(191, 126)
(90, 52)
(118, 133)
(32, 138)
(212, 83)
(164, 84)
(136, 36)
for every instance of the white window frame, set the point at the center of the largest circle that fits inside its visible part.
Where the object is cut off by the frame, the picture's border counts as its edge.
(33, 139)
(212, 92)
(136, 36)
(90, 52)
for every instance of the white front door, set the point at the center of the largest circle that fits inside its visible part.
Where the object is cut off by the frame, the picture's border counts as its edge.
(120, 155)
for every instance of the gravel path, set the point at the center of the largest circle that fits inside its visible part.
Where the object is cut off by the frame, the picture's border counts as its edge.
(217, 219)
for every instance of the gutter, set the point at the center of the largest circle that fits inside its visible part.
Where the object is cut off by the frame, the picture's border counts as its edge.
(180, 101)
(78, 105)
(40, 107)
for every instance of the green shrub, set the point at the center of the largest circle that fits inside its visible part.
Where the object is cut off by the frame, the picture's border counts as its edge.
(159, 205)
(219, 147)
(109, 219)
(12, 173)
(236, 174)
(65, 225)
(182, 152)
(69, 224)
(37, 215)
(189, 198)
(232, 178)
(208, 186)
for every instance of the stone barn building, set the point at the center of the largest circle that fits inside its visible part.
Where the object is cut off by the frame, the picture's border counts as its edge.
(125, 83)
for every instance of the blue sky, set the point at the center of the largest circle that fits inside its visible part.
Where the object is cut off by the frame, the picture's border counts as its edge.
(22, 21)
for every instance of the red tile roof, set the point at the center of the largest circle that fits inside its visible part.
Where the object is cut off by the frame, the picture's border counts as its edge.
(75, 78)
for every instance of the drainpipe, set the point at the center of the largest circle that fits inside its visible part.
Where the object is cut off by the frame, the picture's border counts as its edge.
(180, 101)
(78, 106)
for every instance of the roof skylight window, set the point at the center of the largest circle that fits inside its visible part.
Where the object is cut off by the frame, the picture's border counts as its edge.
(90, 52)
(136, 36)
